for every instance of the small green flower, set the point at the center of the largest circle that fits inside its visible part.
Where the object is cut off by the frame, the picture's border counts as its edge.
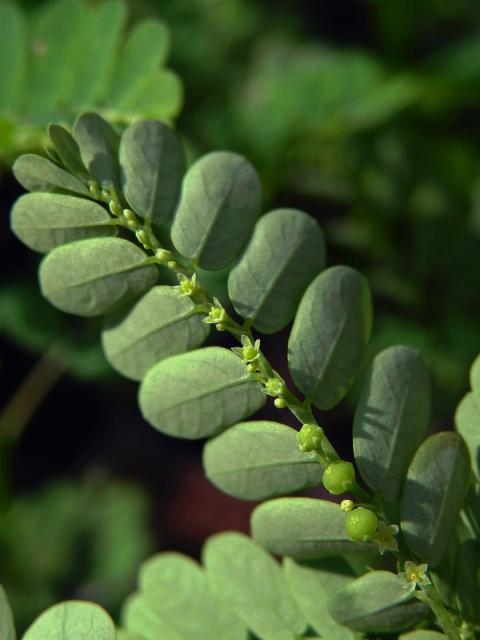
(274, 387)
(217, 314)
(347, 505)
(188, 287)
(415, 575)
(385, 537)
(249, 352)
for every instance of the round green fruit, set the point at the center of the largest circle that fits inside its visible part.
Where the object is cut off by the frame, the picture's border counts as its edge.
(310, 437)
(361, 524)
(339, 477)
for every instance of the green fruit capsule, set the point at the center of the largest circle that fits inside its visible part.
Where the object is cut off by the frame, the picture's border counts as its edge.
(310, 438)
(361, 524)
(339, 477)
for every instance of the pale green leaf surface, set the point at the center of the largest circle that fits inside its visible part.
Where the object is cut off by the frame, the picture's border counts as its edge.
(329, 336)
(467, 422)
(89, 277)
(159, 96)
(122, 634)
(391, 418)
(146, 49)
(92, 65)
(251, 583)
(422, 634)
(7, 626)
(374, 602)
(98, 142)
(152, 163)
(258, 460)
(44, 221)
(67, 149)
(435, 488)
(221, 198)
(74, 620)
(303, 528)
(36, 173)
(140, 618)
(161, 324)
(196, 394)
(171, 584)
(475, 374)
(311, 587)
(286, 252)
(57, 34)
(13, 58)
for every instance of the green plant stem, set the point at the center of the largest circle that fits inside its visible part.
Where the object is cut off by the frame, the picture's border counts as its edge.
(429, 596)
(302, 411)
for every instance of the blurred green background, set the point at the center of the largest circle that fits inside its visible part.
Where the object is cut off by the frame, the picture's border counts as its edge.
(366, 115)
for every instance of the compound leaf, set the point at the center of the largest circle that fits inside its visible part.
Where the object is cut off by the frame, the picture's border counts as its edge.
(67, 149)
(303, 528)
(35, 173)
(329, 336)
(171, 584)
(161, 324)
(152, 163)
(57, 33)
(88, 277)
(44, 221)
(286, 252)
(375, 602)
(311, 586)
(475, 373)
(13, 58)
(467, 422)
(251, 583)
(7, 626)
(92, 66)
(72, 620)
(146, 49)
(257, 460)
(221, 198)
(98, 142)
(436, 484)
(391, 418)
(196, 394)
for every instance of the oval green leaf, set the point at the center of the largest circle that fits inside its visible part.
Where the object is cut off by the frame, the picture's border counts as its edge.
(7, 626)
(35, 173)
(221, 198)
(475, 374)
(467, 422)
(436, 484)
(171, 584)
(152, 163)
(329, 336)
(197, 394)
(303, 528)
(98, 142)
(375, 602)
(286, 252)
(312, 585)
(258, 460)
(161, 324)
(251, 583)
(72, 620)
(422, 634)
(391, 418)
(44, 221)
(89, 277)
(67, 149)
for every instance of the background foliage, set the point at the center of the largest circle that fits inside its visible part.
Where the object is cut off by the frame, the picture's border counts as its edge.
(362, 113)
